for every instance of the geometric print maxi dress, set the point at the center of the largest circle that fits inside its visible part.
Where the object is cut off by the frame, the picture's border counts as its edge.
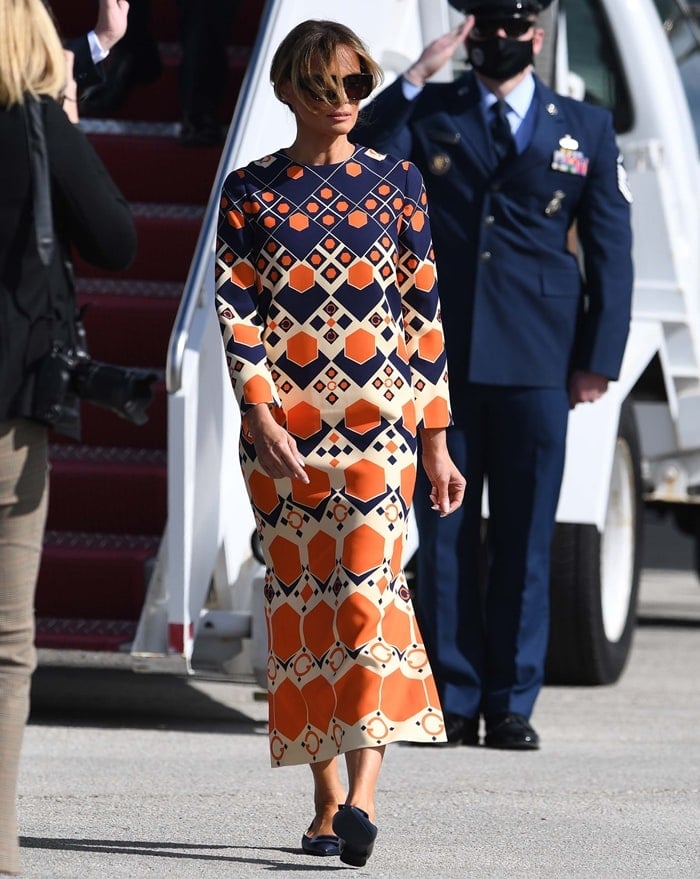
(328, 304)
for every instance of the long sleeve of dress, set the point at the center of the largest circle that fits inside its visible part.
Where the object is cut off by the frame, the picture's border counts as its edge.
(417, 279)
(238, 300)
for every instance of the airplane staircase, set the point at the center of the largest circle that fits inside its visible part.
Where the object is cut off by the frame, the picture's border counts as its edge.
(108, 500)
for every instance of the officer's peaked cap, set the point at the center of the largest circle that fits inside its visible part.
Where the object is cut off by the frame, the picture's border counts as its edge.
(500, 8)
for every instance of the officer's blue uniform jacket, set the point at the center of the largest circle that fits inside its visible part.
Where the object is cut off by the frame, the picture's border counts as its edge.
(518, 320)
(512, 294)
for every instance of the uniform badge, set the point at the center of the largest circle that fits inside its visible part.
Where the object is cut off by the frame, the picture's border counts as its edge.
(568, 158)
(554, 205)
(622, 182)
(440, 164)
(552, 109)
(568, 142)
(440, 135)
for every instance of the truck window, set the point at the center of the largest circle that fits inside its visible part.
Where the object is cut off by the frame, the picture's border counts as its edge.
(681, 22)
(593, 57)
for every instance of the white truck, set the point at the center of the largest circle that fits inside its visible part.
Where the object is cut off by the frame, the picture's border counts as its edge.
(639, 445)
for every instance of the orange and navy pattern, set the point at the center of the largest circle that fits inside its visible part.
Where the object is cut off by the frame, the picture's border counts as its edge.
(327, 298)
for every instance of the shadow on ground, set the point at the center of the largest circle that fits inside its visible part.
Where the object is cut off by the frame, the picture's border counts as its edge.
(177, 850)
(122, 698)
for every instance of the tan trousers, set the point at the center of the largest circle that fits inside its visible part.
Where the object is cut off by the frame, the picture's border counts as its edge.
(23, 498)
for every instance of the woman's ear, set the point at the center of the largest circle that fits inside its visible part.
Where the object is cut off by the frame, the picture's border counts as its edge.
(286, 94)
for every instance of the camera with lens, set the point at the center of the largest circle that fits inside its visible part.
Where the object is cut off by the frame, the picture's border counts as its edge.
(54, 403)
(123, 390)
(65, 377)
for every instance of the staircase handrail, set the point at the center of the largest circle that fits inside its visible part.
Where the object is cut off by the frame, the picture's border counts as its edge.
(195, 289)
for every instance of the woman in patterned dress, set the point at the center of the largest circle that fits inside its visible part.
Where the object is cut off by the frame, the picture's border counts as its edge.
(327, 298)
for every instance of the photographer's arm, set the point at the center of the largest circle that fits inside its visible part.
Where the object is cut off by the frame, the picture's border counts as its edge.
(89, 210)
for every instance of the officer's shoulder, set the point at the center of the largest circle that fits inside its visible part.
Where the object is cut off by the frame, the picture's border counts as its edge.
(576, 109)
(439, 92)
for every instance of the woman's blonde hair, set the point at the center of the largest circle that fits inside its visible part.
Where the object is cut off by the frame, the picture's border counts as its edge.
(307, 53)
(31, 55)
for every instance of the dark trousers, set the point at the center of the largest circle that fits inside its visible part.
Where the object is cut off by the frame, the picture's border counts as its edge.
(484, 611)
(205, 29)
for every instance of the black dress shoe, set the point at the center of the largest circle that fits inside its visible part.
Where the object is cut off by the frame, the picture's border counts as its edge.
(511, 732)
(356, 833)
(461, 730)
(323, 845)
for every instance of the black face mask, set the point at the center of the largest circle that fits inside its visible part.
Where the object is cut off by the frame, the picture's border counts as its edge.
(499, 58)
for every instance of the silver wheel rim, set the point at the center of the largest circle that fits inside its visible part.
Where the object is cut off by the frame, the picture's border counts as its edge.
(618, 544)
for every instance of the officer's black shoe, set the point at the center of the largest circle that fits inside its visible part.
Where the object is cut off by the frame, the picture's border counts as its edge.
(460, 730)
(510, 732)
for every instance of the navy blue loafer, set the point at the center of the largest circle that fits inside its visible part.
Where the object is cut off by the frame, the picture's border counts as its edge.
(357, 835)
(324, 845)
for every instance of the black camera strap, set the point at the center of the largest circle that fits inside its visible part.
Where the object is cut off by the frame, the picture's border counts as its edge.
(43, 215)
(53, 403)
(122, 390)
(41, 181)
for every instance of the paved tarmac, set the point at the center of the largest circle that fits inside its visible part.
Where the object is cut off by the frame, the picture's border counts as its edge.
(127, 775)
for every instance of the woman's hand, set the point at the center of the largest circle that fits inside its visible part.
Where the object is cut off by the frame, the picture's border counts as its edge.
(275, 448)
(70, 95)
(447, 483)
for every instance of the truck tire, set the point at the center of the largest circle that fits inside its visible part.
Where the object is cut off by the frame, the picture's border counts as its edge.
(594, 581)
(687, 519)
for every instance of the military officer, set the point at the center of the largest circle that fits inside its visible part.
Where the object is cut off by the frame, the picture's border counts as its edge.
(509, 167)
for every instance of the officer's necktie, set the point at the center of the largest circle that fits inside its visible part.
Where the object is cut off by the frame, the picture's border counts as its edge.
(500, 130)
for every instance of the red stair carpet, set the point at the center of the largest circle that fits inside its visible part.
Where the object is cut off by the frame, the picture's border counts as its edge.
(108, 501)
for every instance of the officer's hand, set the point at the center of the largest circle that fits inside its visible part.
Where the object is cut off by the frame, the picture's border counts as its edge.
(111, 22)
(586, 387)
(438, 53)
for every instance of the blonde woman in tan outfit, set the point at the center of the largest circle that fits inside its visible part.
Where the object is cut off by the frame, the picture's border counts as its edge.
(90, 214)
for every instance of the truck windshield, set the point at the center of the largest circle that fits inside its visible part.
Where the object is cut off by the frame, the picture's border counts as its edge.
(681, 21)
(594, 62)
